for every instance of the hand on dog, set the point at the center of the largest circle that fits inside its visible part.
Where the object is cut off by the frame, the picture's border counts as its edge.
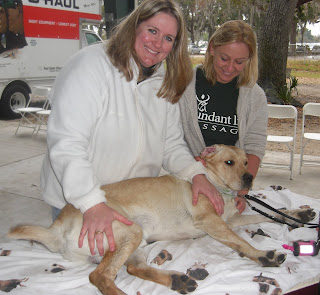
(100, 218)
(240, 203)
(201, 185)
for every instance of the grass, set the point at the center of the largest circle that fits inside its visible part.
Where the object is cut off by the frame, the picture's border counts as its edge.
(299, 68)
(196, 59)
(304, 68)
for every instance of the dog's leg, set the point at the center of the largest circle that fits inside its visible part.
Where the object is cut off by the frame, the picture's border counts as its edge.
(177, 281)
(206, 219)
(104, 275)
(305, 215)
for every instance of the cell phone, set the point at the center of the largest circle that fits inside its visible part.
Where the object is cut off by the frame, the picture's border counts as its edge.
(305, 248)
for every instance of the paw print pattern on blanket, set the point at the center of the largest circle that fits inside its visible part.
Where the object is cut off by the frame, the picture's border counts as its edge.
(265, 283)
(54, 268)
(258, 232)
(5, 252)
(198, 271)
(162, 257)
(262, 196)
(8, 285)
(277, 187)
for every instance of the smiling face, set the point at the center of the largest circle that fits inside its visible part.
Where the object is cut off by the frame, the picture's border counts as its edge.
(229, 60)
(155, 38)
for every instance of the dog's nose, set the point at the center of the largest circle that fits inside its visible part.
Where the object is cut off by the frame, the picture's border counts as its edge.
(247, 179)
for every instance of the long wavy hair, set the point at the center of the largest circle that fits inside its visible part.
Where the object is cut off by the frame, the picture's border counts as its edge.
(120, 48)
(230, 32)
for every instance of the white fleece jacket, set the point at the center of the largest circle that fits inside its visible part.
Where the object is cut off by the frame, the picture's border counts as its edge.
(103, 129)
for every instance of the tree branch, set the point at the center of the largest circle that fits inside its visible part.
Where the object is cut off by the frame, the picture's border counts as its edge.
(301, 2)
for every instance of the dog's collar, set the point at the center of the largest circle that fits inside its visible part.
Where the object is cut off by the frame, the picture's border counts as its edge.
(226, 191)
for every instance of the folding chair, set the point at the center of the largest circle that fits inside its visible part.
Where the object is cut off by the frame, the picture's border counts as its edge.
(29, 117)
(309, 109)
(43, 117)
(281, 112)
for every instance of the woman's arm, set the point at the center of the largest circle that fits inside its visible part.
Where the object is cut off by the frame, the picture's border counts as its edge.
(254, 132)
(179, 161)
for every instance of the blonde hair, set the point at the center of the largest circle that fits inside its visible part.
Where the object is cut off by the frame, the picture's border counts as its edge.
(230, 32)
(120, 48)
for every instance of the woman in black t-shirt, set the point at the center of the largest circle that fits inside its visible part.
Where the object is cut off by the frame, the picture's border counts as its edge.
(223, 104)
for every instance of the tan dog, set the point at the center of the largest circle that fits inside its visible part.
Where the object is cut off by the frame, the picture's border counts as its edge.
(161, 209)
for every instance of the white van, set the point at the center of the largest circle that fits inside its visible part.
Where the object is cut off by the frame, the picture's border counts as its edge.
(37, 37)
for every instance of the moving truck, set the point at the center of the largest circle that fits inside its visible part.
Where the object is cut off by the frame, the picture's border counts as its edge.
(37, 37)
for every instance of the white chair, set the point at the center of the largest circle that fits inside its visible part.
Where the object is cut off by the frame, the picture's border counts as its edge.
(309, 109)
(29, 117)
(281, 112)
(43, 117)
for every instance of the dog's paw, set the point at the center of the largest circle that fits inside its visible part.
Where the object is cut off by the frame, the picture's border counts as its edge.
(183, 284)
(272, 258)
(306, 215)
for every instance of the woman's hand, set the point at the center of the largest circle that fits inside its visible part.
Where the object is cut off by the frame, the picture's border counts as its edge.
(96, 221)
(201, 185)
(240, 203)
(199, 159)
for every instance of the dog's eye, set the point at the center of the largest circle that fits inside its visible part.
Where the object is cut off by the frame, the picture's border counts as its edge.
(231, 163)
(246, 163)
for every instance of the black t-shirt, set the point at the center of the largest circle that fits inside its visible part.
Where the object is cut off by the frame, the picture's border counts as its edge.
(217, 110)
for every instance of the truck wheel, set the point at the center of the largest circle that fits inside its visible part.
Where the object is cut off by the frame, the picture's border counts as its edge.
(13, 98)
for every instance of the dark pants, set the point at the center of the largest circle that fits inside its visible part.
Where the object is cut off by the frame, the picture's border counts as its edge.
(55, 213)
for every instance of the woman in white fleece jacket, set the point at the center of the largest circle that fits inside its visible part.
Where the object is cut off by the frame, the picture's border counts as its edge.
(114, 117)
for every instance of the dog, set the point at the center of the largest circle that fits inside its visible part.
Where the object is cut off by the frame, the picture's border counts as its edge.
(161, 209)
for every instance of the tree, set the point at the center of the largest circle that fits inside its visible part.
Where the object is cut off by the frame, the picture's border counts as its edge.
(308, 13)
(273, 40)
(188, 8)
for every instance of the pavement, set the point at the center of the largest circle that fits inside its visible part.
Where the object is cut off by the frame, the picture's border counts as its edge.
(21, 157)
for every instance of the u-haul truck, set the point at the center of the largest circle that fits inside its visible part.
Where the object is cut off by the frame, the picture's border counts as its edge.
(37, 37)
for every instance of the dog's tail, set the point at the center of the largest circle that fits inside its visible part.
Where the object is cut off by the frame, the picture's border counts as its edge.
(45, 236)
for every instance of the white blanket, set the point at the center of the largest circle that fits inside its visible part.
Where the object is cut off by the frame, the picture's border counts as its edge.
(32, 269)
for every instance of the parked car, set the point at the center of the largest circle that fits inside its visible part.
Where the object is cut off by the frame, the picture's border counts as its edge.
(203, 49)
(316, 49)
(300, 49)
(303, 49)
(193, 49)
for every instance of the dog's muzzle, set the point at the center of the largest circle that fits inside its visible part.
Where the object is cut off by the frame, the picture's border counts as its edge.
(247, 180)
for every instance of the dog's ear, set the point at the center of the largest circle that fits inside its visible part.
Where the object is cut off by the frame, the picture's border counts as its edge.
(210, 150)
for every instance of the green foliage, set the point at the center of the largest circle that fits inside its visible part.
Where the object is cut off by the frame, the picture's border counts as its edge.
(293, 83)
(203, 16)
(285, 92)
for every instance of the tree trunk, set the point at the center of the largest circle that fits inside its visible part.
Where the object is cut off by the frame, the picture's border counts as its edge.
(293, 37)
(273, 40)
